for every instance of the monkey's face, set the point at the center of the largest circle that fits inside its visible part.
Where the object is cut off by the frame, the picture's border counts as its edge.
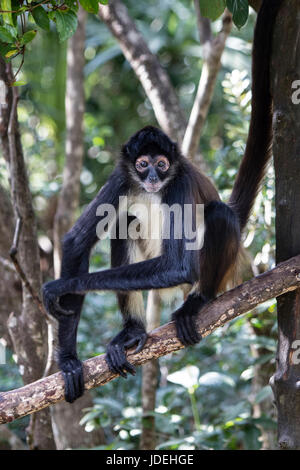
(152, 171)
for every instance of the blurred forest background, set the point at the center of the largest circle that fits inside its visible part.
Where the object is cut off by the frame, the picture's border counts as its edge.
(216, 394)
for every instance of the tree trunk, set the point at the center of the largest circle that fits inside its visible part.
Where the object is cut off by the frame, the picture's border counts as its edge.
(10, 285)
(150, 378)
(28, 328)
(286, 69)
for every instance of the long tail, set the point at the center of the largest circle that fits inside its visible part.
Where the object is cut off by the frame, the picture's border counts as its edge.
(259, 142)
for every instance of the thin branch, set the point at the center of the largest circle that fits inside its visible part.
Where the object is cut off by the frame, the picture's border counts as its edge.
(50, 390)
(8, 265)
(13, 254)
(212, 53)
(204, 25)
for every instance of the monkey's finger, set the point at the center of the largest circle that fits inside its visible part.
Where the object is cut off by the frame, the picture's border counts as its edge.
(141, 343)
(123, 363)
(79, 382)
(61, 310)
(69, 387)
(114, 363)
(129, 367)
(193, 336)
(182, 331)
(131, 342)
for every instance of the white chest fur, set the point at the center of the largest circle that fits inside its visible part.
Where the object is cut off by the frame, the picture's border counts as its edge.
(145, 235)
(146, 230)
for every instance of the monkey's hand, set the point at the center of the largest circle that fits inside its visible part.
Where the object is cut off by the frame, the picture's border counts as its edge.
(72, 371)
(133, 333)
(185, 322)
(51, 292)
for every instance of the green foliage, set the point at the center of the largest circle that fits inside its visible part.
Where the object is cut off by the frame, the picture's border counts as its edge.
(66, 23)
(41, 18)
(212, 9)
(92, 6)
(6, 35)
(239, 10)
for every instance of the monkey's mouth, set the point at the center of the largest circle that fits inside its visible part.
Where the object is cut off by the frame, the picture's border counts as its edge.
(152, 187)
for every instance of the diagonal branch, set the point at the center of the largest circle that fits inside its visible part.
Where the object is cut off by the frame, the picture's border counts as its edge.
(45, 392)
(145, 64)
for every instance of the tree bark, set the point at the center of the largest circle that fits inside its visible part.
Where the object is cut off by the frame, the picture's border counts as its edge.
(152, 76)
(213, 48)
(286, 148)
(27, 329)
(10, 282)
(150, 378)
(50, 390)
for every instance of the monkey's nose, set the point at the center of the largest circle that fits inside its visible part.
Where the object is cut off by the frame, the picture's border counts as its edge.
(153, 179)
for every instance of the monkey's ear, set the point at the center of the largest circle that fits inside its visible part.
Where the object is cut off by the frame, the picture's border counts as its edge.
(125, 151)
(175, 150)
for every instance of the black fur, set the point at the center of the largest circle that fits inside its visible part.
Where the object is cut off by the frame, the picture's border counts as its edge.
(259, 142)
(205, 269)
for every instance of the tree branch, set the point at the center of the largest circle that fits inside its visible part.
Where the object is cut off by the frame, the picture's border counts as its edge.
(213, 48)
(50, 390)
(151, 74)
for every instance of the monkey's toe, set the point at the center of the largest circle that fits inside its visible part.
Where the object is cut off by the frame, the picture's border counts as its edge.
(186, 328)
(73, 377)
(117, 362)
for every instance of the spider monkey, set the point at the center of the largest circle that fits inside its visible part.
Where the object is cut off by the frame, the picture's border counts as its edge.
(152, 169)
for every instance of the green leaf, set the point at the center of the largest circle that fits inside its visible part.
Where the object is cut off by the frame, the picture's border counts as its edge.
(66, 24)
(103, 2)
(239, 10)
(4, 49)
(212, 9)
(5, 35)
(6, 6)
(92, 6)
(28, 37)
(11, 53)
(263, 393)
(41, 18)
(19, 83)
(72, 4)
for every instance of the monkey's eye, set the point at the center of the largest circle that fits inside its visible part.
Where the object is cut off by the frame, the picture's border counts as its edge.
(163, 164)
(141, 164)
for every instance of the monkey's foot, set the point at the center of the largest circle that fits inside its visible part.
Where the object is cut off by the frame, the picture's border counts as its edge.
(73, 376)
(116, 350)
(186, 327)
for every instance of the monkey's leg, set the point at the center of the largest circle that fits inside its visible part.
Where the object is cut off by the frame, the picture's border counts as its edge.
(68, 361)
(131, 305)
(133, 333)
(217, 257)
